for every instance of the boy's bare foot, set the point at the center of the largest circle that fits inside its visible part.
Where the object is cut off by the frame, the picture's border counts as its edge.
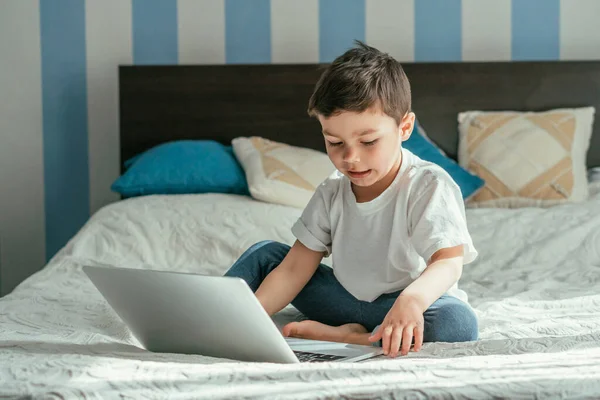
(348, 333)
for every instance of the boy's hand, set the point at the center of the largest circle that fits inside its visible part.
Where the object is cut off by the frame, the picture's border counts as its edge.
(403, 322)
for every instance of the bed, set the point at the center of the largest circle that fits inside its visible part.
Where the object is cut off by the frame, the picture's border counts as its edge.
(534, 286)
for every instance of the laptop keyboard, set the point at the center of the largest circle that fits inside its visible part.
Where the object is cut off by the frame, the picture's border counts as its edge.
(316, 357)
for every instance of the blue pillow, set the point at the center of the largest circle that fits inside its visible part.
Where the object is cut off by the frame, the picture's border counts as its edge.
(423, 148)
(186, 166)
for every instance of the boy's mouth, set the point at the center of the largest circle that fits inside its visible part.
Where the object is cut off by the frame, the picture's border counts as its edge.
(359, 174)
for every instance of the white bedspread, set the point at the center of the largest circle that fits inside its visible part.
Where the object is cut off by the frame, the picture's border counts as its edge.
(535, 288)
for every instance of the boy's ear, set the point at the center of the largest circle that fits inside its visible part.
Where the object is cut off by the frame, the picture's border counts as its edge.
(406, 126)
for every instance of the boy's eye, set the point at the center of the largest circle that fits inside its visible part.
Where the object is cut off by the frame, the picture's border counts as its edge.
(371, 143)
(334, 143)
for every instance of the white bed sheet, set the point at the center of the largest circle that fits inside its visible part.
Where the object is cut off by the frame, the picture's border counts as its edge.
(535, 288)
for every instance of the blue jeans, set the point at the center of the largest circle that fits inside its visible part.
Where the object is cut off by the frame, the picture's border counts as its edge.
(325, 300)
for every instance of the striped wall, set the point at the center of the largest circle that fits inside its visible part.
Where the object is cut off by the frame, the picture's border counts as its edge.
(58, 76)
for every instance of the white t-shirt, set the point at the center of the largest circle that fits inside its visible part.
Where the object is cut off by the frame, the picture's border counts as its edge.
(382, 246)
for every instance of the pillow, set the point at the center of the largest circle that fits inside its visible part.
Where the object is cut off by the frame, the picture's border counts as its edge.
(527, 159)
(186, 166)
(280, 173)
(420, 145)
(419, 129)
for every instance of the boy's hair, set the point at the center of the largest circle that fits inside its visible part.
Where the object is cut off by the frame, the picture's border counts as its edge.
(360, 78)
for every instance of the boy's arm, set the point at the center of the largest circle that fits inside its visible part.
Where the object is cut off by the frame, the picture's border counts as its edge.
(405, 318)
(282, 285)
(443, 270)
(439, 233)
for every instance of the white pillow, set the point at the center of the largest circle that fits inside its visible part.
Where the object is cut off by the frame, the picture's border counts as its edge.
(527, 159)
(279, 173)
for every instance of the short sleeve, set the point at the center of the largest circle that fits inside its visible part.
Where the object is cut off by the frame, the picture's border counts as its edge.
(313, 228)
(437, 219)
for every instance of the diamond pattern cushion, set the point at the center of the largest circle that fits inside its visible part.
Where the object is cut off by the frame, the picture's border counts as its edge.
(527, 159)
(280, 173)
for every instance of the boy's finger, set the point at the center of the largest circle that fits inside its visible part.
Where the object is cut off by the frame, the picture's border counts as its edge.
(418, 338)
(396, 339)
(385, 340)
(376, 336)
(407, 340)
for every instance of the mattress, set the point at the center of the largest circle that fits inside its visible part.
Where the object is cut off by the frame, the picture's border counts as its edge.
(534, 288)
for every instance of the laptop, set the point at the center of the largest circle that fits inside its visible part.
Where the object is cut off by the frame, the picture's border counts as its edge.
(174, 312)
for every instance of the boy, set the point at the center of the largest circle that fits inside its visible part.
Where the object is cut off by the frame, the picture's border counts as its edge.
(393, 223)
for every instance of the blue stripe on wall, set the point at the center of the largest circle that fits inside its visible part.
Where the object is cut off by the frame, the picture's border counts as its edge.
(154, 25)
(64, 103)
(438, 32)
(340, 23)
(247, 31)
(535, 29)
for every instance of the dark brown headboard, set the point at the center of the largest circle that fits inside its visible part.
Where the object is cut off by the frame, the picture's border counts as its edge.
(164, 103)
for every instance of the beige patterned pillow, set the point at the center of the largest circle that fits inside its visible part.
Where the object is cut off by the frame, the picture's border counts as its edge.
(527, 159)
(280, 173)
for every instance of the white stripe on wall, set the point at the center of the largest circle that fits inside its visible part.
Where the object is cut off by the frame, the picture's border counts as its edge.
(390, 27)
(201, 31)
(486, 30)
(22, 221)
(108, 31)
(294, 31)
(579, 33)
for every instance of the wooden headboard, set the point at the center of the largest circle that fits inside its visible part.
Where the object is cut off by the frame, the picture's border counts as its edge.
(164, 103)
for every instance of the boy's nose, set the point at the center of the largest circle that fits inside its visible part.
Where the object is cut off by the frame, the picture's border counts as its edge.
(351, 156)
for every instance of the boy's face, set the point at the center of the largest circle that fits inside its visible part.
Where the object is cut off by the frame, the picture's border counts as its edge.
(365, 146)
